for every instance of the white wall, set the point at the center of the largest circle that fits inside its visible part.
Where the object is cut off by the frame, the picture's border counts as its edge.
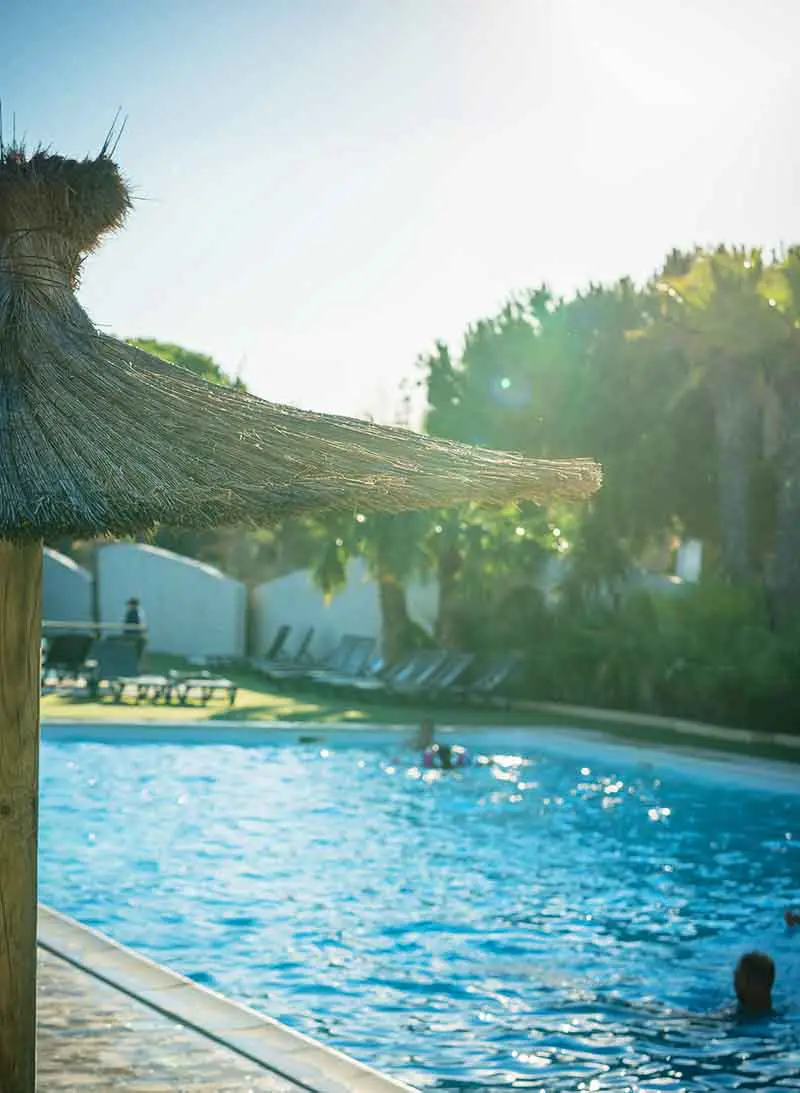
(689, 562)
(422, 599)
(67, 589)
(294, 599)
(191, 609)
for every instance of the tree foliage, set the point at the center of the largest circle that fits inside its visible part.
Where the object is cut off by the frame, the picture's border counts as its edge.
(199, 363)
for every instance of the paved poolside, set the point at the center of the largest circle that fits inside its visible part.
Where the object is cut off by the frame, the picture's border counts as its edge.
(93, 1038)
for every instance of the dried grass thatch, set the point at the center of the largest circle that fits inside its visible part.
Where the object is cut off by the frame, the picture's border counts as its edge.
(97, 436)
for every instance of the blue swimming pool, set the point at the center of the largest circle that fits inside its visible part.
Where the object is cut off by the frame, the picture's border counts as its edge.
(567, 919)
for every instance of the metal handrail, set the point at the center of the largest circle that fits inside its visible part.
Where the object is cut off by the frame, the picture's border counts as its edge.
(95, 627)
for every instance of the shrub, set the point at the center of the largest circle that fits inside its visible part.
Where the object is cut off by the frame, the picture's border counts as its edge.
(705, 652)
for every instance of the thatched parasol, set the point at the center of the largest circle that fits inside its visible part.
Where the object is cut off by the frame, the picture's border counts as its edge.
(99, 437)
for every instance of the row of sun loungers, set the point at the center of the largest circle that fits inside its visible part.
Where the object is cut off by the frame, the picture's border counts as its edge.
(110, 666)
(355, 668)
(436, 675)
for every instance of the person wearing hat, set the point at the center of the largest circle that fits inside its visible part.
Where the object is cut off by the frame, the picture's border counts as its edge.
(133, 624)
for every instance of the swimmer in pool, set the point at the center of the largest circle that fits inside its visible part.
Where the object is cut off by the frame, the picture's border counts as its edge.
(438, 756)
(753, 981)
(445, 757)
(791, 918)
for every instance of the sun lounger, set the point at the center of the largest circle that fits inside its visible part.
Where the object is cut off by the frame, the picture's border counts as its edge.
(66, 655)
(377, 680)
(423, 662)
(300, 662)
(111, 659)
(428, 665)
(144, 688)
(352, 664)
(201, 686)
(372, 670)
(489, 682)
(422, 666)
(278, 642)
(438, 685)
(335, 660)
(275, 653)
(375, 677)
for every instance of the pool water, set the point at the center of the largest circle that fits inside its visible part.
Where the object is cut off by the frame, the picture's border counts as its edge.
(565, 919)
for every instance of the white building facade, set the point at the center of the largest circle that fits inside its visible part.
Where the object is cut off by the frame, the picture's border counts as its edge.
(66, 589)
(191, 609)
(355, 609)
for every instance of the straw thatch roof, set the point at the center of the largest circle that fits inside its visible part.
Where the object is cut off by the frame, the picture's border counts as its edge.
(97, 436)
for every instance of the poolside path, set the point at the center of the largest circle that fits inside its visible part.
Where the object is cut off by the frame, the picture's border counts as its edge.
(93, 1038)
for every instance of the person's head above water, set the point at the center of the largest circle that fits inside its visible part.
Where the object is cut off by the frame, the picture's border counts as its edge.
(753, 980)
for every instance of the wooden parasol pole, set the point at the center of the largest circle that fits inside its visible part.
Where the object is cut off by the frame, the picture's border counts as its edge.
(20, 627)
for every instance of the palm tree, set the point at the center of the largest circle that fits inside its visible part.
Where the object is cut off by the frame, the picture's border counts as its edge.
(393, 547)
(722, 312)
(785, 436)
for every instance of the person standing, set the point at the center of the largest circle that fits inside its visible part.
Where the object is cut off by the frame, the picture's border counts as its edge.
(134, 623)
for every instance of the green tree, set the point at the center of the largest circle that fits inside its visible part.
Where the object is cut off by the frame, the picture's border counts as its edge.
(721, 312)
(199, 363)
(781, 410)
(574, 377)
(393, 547)
(487, 562)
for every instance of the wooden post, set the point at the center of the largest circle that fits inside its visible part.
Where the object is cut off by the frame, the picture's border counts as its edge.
(20, 627)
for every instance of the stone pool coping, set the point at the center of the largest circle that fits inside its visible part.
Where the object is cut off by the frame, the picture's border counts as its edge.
(669, 729)
(252, 1035)
(631, 727)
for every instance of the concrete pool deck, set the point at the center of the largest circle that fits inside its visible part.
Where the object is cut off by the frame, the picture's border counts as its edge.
(93, 1038)
(110, 1019)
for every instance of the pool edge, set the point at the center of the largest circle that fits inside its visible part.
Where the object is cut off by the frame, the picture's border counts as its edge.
(632, 727)
(252, 1035)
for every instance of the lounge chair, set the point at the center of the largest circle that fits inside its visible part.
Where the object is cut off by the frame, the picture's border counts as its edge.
(66, 655)
(278, 642)
(454, 668)
(488, 682)
(279, 666)
(352, 664)
(144, 688)
(334, 660)
(376, 678)
(111, 659)
(372, 671)
(203, 686)
(428, 665)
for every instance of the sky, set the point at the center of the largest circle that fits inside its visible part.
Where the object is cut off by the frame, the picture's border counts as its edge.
(324, 188)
